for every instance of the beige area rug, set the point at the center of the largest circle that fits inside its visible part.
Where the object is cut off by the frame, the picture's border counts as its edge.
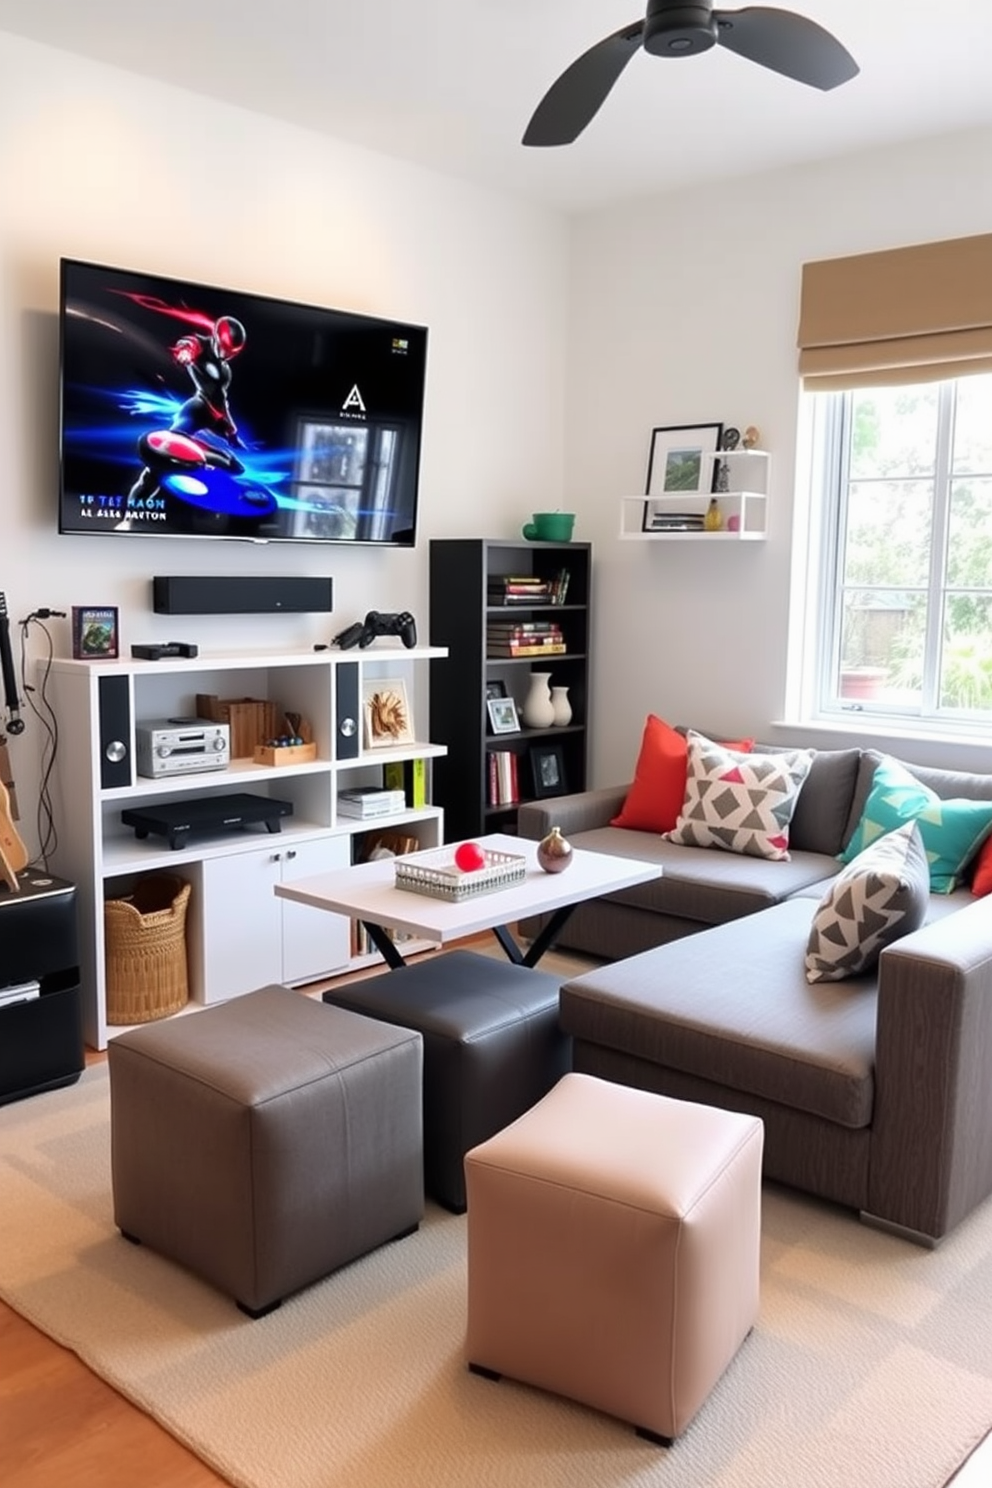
(871, 1362)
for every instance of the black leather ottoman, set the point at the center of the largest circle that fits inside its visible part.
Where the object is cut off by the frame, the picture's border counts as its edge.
(492, 1049)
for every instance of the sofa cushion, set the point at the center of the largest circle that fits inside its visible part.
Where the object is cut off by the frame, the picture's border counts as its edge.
(655, 797)
(952, 829)
(704, 886)
(881, 895)
(741, 803)
(981, 882)
(820, 821)
(732, 1006)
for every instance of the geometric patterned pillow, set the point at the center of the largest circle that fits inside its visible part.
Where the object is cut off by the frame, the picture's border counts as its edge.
(881, 895)
(742, 803)
(952, 831)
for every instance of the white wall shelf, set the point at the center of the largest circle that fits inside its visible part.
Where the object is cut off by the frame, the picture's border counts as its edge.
(239, 934)
(742, 508)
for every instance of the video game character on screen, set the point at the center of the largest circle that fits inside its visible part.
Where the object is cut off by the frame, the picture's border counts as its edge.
(206, 356)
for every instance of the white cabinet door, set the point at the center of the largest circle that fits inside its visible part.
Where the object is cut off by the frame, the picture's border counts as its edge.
(315, 943)
(241, 926)
(250, 938)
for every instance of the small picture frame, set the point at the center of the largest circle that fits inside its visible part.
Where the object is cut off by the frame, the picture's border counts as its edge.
(503, 715)
(495, 688)
(548, 769)
(95, 633)
(386, 715)
(679, 463)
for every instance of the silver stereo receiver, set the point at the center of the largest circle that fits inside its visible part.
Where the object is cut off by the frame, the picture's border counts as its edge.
(182, 746)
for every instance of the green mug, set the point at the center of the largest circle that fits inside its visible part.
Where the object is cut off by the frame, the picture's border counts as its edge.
(550, 527)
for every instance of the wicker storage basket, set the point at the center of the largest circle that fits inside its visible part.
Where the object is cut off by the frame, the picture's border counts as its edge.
(146, 950)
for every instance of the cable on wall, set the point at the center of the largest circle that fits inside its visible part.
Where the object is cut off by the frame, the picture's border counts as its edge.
(37, 702)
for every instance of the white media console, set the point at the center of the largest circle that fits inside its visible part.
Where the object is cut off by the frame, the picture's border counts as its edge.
(239, 934)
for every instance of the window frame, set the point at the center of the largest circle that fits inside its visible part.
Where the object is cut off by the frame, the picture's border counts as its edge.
(820, 607)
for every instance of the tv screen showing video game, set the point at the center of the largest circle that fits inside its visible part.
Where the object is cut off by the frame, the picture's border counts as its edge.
(191, 411)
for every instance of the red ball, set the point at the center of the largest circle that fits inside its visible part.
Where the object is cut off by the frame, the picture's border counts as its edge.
(469, 857)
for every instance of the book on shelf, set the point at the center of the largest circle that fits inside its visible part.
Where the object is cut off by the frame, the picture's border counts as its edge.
(410, 777)
(504, 788)
(370, 801)
(495, 651)
(523, 627)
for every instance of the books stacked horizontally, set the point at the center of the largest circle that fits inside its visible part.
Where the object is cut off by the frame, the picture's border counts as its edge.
(524, 638)
(668, 521)
(527, 589)
(368, 801)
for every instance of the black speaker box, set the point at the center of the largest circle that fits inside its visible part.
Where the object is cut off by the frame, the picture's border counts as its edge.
(227, 595)
(348, 727)
(115, 731)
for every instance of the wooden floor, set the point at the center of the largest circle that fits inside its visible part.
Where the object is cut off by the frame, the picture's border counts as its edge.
(62, 1427)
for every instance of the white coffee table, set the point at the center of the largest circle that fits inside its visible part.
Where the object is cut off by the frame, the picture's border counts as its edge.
(368, 892)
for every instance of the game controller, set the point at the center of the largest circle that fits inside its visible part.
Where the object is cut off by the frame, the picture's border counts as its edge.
(363, 633)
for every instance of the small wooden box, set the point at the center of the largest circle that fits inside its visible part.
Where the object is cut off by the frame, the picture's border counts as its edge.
(285, 754)
(251, 720)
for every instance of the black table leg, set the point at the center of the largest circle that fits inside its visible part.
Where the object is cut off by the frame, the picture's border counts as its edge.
(539, 945)
(384, 946)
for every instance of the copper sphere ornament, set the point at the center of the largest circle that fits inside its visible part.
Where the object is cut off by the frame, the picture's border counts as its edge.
(553, 853)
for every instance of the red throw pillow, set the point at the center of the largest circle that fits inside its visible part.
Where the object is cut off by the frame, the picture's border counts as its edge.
(655, 798)
(981, 882)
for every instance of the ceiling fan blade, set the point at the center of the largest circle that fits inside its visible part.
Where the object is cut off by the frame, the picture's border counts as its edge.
(786, 43)
(575, 99)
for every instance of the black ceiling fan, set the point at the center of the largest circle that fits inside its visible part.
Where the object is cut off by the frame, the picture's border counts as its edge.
(778, 39)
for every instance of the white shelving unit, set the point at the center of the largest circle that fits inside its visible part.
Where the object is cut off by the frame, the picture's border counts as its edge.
(240, 935)
(743, 507)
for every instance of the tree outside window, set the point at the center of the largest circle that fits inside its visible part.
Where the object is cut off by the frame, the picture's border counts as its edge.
(904, 607)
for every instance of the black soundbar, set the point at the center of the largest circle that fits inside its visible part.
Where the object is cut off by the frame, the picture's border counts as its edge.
(268, 595)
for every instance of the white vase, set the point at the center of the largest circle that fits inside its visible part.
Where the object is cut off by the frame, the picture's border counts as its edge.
(561, 706)
(538, 710)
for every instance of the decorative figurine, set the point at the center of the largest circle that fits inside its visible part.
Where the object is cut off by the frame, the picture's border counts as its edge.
(751, 437)
(713, 520)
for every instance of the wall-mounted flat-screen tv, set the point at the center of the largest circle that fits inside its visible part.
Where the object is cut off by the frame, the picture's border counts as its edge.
(192, 411)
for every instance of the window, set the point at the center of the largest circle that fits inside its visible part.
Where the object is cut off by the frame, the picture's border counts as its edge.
(900, 584)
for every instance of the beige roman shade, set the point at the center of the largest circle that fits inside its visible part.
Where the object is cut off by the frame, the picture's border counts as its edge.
(916, 314)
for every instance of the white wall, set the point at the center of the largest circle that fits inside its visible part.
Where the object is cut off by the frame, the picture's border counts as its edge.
(98, 164)
(684, 310)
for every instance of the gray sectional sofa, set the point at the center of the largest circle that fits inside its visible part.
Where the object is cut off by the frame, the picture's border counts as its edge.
(875, 1091)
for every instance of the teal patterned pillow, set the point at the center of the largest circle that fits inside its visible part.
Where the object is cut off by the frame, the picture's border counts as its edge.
(952, 831)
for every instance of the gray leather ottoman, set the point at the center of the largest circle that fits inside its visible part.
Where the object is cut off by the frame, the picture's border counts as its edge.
(492, 1048)
(265, 1142)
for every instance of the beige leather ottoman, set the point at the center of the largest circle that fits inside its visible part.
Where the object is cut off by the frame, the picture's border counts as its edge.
(613, 1249)
(267, 1141)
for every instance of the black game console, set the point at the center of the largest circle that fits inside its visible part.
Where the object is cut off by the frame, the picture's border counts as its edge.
(363, 633)
(176, 820)
(163, 650)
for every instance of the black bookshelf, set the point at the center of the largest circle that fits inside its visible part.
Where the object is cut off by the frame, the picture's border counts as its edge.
(466, 595)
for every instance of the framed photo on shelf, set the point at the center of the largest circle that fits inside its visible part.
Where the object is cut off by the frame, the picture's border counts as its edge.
(548, 767)
(679, 463)
(495, 688)
(387, 720)
(95, 633)
(503, 715)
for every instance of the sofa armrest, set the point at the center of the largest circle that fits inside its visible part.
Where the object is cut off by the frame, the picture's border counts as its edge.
(578, 813)
(931, 1145)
